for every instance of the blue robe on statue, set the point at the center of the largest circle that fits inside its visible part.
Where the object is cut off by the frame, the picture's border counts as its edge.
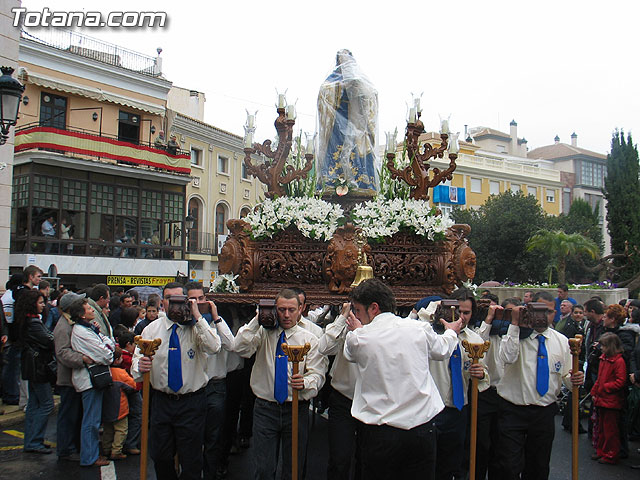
(347, 111)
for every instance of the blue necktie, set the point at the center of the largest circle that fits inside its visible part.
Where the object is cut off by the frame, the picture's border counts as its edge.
(281, 381)
(175, 360)
(542, 375)
(455, 365)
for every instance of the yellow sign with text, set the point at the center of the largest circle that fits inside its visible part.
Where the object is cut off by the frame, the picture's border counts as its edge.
(133, 280)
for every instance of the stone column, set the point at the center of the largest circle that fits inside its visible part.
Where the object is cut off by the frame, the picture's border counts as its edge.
(9, 39)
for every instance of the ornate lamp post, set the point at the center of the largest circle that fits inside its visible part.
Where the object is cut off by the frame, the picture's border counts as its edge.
(416, 174)
(273, 172)
(10, 95)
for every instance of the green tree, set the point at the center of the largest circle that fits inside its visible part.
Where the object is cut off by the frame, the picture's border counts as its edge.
(499, 232)
(622, 191)
(561, 246)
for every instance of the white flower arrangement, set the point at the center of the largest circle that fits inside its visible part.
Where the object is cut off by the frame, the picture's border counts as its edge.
(314, 218)
(225, 283)
(381, 218)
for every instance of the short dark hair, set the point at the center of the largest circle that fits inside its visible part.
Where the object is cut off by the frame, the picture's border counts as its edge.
(634, 303)
(173, 285)
(44, 284)
(76, 309)
(128, 317)
(193, 286)
(134, 294)
(577, 305)
(124, 296)
(593, 305)
(299, 291)
(15, 280)
(99, 291)
(596, 297)
(622, 302)
(374, 291)
(153, 300)
(288, 294)
(463, 294)
(564, 287)
(124, 338)
(31, 270)
(511, 301)
(543, 295)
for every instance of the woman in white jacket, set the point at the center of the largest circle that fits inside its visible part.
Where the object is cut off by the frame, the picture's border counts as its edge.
(87, 340)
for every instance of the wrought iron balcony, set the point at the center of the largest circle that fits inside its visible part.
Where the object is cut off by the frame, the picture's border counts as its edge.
(83, 143)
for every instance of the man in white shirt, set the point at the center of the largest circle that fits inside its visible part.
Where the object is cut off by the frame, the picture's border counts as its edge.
(216, 389)
(272, 383)
(178, 378)
(304, 322)
(395, 396)
(535, 368)
(452, 377)
(343, 427)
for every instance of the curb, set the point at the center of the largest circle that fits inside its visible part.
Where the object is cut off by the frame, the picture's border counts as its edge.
(16, 417)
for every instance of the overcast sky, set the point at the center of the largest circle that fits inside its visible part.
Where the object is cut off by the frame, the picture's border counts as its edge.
(554, 66)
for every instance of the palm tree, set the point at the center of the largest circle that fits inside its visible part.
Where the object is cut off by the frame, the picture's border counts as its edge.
(560, 245)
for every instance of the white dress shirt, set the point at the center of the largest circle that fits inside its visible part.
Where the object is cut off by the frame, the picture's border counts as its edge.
(393, 385)
(307, 324)
(343, 373)
(195, 343)
(217, 362)
(442, 374)
(518, 384)
(492, 356)
(253, 338)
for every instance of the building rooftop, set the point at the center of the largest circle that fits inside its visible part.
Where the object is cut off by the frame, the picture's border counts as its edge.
(95, 49)
(562, 150)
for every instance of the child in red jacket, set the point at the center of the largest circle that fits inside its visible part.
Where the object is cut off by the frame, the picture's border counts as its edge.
(608, 397)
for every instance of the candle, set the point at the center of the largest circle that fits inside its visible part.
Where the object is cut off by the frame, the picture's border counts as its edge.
(310, 144)
(416, 102)
(412, 115)
(251, 120)
(282, 101)
(391, 142)
(454, 147)
(248, 139)
(291, 112)
(444, 126)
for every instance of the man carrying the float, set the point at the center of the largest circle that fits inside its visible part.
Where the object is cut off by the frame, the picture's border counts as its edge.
(395, 397)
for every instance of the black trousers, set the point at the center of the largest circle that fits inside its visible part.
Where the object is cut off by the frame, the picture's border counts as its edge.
(488, 435)
(389, 453)
(526, 438)
(343, 438)
(177, 426)
(451, 430)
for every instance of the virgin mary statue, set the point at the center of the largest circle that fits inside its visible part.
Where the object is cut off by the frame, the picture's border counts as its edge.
(347, 126)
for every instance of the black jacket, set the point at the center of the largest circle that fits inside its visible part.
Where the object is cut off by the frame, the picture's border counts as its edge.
(38, 363)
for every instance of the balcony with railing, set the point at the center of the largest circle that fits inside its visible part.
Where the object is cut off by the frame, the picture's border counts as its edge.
(95, 49)
(201, 243)
(84, 143)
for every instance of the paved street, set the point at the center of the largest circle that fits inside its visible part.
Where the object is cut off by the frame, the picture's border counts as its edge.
(16, 465)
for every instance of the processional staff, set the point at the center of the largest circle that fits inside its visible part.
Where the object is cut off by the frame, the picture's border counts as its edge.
(575, 344)
(148, 349)
(475, 351)
(296, 354)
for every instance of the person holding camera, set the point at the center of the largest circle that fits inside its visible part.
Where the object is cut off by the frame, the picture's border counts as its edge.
(535, 368)
(272, 383)
(178, 380)
(452, 376)
(216, 389)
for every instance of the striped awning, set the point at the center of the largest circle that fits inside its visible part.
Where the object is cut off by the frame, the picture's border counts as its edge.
(94, 93)
(96, 146)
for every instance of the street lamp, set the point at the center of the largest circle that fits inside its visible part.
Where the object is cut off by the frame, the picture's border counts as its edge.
(10, 95)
